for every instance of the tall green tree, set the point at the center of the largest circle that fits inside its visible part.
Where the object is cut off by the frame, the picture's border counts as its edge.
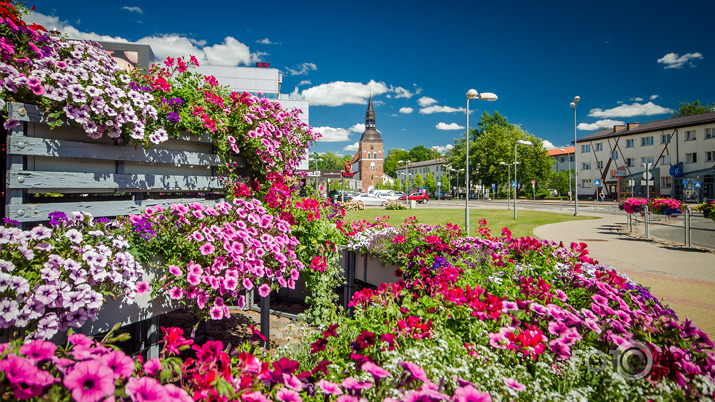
(431, 182)
(328, 161)
(421, 153)
(692, 108)
(418, 180)
(390, 165)
(560, 182)
(447, 184)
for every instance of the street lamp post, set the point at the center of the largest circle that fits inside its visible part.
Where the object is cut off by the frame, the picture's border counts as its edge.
(516, 181)
(508, 182)
(569, 157)
(407, 193)
(472, 94)
(316, 160)
(575, 152)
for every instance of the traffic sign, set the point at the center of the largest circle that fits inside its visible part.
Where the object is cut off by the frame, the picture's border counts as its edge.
(685, 182)
(597, 182)
(513, 183)
(533, 183)
(631, 182)
(647, 175)
(494, 186)
(698, 184)
(439, 184)
(647, 182)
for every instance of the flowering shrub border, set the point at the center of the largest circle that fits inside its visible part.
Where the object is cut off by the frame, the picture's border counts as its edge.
(666, 206)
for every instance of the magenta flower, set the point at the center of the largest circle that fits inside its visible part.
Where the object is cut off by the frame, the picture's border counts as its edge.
(142, 287)
(355, 385)
(416, 372)
(375, 370)
(264, 290)
(174, 270)
(121, 364)
(177, 394)
(90, 380)
(39, 350)
(146, 389)
(216, 312)
(207, 249)
(470, 394)
(176, 293)
(329, 388)
(288, 395)
(514, 384)
(152, 367)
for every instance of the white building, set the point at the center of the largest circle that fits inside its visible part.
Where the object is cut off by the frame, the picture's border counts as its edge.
(680, 151)
(563, 159)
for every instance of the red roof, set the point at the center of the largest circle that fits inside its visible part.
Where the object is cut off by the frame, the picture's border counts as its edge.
(561, 151)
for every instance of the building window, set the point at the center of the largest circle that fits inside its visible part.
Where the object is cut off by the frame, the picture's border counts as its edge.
(372, 147)
(586, 183)
(614, 155)
(647, 159)
(710, 156)
(665, 139)
(630, 162)
(691, 158)
(599, 164)
(690, 135)
(666, 181)
(586, 166)
(666, 160)
(563, 159)
(599, 146)
(571, 158)
(630, 143)
(369, 155)
(709, 133)
(372, 166)
(645, 141)
(586, 148)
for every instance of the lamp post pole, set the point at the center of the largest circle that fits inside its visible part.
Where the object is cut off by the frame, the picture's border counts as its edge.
(407, 192)
(472, 94)
(575, 152)
(516, 181)
(508, 182)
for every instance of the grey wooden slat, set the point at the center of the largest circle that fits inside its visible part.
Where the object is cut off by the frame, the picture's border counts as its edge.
(73, 149)
(34, 114)
(68, 181)
(39, 212)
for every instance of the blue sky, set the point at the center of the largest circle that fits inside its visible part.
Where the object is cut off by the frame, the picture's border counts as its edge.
(629, 61)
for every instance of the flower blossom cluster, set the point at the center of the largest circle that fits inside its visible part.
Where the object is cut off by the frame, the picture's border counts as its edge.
(221, 250)
(53, 278)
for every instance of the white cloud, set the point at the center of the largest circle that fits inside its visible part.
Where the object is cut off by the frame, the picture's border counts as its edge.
(340, 93)
(400, 93)
(302, 69)
(133, 9)
(406, 110)
(672, 60)
(426, 101)
(304, 82)
(441, 109)
(266, 41)
(450, 126)
(654, 97)
(358, 128)
(549, 145)
(607, 123)
(230, 52)
(442, 149)
(635, 109)
(353, 147)
(638, 99)
(332, 134)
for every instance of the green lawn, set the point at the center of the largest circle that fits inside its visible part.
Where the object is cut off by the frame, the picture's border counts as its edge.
(496, 219)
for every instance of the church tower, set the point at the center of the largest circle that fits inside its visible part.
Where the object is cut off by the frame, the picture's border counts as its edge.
(370, 152)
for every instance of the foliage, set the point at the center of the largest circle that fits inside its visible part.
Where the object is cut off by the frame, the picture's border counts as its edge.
(418, 181)
(328, 161)
(431, 183)
(692, 108)
(390, 166)
(53, 278)
(395, 205)
(421, 153)
(707, 208)
(559, 181)
(351, 205)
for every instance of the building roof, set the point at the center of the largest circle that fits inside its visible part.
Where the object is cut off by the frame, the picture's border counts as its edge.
(438, 161)
(370, 133)
(561, 151)
(634, 128)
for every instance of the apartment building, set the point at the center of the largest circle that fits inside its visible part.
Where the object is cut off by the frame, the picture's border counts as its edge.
(563, 159)
(678, 153)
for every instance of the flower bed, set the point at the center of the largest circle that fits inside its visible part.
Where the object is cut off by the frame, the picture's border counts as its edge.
(665, 206)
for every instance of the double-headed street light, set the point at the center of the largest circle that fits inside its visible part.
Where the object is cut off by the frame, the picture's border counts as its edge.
(516, 181)
(472, 94)
(575, 151)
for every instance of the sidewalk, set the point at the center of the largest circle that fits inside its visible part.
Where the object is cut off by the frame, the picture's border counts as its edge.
(680, 277)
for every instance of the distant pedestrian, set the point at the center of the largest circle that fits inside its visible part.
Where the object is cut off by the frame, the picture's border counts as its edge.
(603, 196)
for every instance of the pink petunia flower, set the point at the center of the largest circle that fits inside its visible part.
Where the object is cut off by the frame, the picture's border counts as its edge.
(146, 389)
(142, 287)
(416, 372)
(375, 370)
(288, 395)
(468, 393)
(152, 367)
(39, 350)
(121, 364)
(207, 249)
(329, 388)
(90, 380)
(264, 290)
(514, 384)
(177, 394)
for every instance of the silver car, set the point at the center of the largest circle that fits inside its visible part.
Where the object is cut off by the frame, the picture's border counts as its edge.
(369, 199)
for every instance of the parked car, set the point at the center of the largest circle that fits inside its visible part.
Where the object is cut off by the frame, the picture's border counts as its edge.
(387, 194)
(445, 196)
(339, 195)
(369, 199)
(419, 197)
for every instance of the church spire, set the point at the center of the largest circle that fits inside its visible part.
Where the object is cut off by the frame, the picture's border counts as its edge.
(371, 133)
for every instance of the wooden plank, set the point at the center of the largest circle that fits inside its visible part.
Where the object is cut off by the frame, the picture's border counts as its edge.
(72, 149)
(72, 182)
(39, 212)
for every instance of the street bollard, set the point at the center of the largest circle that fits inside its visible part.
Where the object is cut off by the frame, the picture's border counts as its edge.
(647, 221)
(690, 228)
